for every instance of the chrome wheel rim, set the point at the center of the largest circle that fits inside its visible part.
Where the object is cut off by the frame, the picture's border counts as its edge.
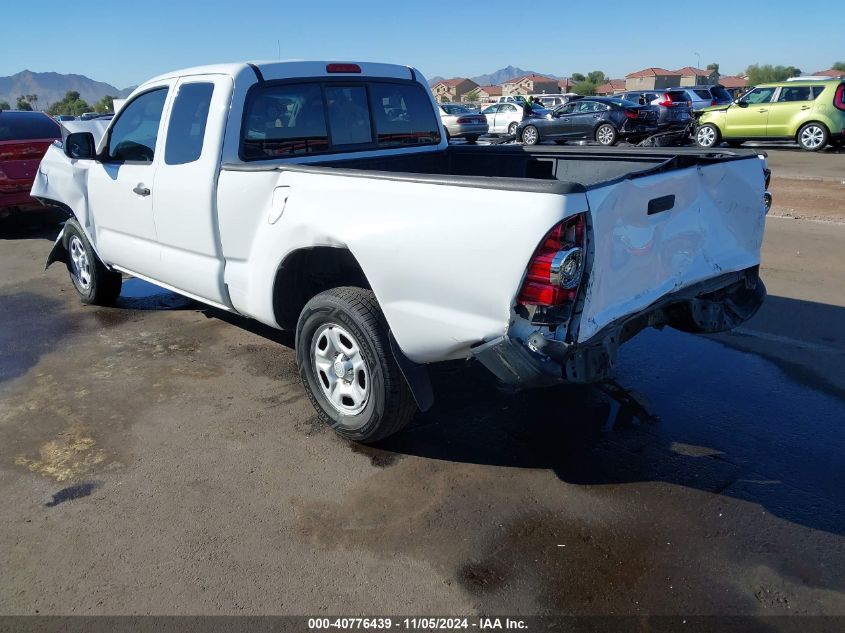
(80, 263)
(706, 136)
(812, 136)
(512, 128)
(341, 370)
(529, 136)
(605, 135)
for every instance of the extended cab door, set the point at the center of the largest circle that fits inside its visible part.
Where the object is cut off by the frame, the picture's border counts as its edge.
(120, 184)
(185, 187)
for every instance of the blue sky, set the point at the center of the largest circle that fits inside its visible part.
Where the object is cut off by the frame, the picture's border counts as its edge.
(124, 43)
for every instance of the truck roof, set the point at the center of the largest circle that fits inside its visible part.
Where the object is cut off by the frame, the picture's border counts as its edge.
(271, 70)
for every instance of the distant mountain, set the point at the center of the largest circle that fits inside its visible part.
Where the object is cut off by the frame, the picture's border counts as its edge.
(504, 74)
(435, 79)
(51, 87)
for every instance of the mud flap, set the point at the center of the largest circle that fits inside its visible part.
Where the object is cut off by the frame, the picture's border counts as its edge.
(415, 375)
(514, 364)
(58, 253)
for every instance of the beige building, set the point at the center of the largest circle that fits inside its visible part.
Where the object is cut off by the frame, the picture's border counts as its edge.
(452, 90)
(651, 79)
(530, 84)
(489, 93)
(612, 87)
(690, 76)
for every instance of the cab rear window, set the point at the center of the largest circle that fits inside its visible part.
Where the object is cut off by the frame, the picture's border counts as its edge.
(27, 126)
(289, 119)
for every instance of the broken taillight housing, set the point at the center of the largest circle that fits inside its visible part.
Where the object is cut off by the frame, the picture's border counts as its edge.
(554, 272)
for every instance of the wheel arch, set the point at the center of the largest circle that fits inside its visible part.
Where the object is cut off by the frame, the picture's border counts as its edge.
(811, 122)
(308, 271)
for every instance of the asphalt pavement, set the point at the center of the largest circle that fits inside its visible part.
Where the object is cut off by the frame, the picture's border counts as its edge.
(161, 457)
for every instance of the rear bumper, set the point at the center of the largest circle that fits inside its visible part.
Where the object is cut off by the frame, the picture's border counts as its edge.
(715, 305)
(456, 131)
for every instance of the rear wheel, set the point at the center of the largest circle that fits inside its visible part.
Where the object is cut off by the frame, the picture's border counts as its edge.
(96, 284)
(812, 137)
(707, 136)
(530, 135)
(606, 134)
(471, 138)
(347, 368)
(512, 128)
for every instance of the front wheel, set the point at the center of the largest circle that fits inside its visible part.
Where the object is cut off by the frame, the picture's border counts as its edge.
(606, 134)
(812, 137)
(347, 368)
(530, 135)
(96, 284)
(707, 136)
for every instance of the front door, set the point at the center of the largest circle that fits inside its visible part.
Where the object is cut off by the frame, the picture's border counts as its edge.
(507, 114)
(750, 116)
(185, 194)
(120, 184)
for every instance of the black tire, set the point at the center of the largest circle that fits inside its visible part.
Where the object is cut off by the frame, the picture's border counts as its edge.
(532, 134)
(354, 312)
(512, 128)
(448, 136)
(708, 136)
(97, 285)
(606, 135)
(812, 137)
(735, 143)
(471, 138)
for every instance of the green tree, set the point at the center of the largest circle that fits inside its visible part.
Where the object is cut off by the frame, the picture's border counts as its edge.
(22, 103)
(71, 104)
(839, 66)
(766, 73)
(583, 88)
(576, 77)
(4, 105)
(106, 104)
(713, 66)
(472, 95)
(596, 77)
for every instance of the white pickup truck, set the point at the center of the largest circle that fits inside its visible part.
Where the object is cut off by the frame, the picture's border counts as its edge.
(324, 197)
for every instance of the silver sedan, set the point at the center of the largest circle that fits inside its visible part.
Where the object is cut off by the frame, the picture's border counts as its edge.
(461, 122)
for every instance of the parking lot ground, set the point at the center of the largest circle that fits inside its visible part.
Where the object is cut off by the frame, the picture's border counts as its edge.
(160, 457)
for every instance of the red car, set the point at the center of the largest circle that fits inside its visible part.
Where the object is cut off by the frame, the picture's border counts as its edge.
(24, 137)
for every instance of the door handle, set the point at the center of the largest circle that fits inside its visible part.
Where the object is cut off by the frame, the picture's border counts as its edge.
(141, 190)
(566, 120)
(763, 110)
(805, 107)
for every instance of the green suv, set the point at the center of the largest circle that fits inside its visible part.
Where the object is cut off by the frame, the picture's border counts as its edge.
(811, 112)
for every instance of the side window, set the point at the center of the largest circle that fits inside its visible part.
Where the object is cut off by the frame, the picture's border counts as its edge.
(759, 95)
(186, 130)
(794, 93)
(349, 116)
(816, 91)
(490, 110)
(133, 135)
(284, 120)
(403, 115)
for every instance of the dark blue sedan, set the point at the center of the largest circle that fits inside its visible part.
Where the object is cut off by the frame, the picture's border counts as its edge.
(602, 119)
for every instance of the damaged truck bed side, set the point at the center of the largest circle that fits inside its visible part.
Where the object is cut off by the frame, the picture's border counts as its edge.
(324, 198)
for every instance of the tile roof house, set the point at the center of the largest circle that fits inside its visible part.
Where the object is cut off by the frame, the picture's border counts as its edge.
(651, 79)
(690, 76)
(830, 72)
(612, 87)
(452, 90)
(732, 82)
(489, 93)
(564, 85)
(530, 84)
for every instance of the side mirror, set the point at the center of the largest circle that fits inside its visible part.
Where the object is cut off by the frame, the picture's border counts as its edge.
(80, 145)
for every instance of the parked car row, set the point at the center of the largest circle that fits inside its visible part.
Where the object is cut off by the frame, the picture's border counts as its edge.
(24, 137)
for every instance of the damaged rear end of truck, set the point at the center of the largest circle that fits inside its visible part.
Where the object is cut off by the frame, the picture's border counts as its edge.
(677, 244)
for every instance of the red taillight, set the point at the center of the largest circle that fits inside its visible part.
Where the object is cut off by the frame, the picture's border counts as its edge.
(631, 114)
(712, 103)
(544, 283)
(839, 97)
(666, 102)
(343, 68)
(467, 120)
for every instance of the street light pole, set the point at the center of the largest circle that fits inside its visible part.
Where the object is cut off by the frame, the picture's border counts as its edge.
(698, 56)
